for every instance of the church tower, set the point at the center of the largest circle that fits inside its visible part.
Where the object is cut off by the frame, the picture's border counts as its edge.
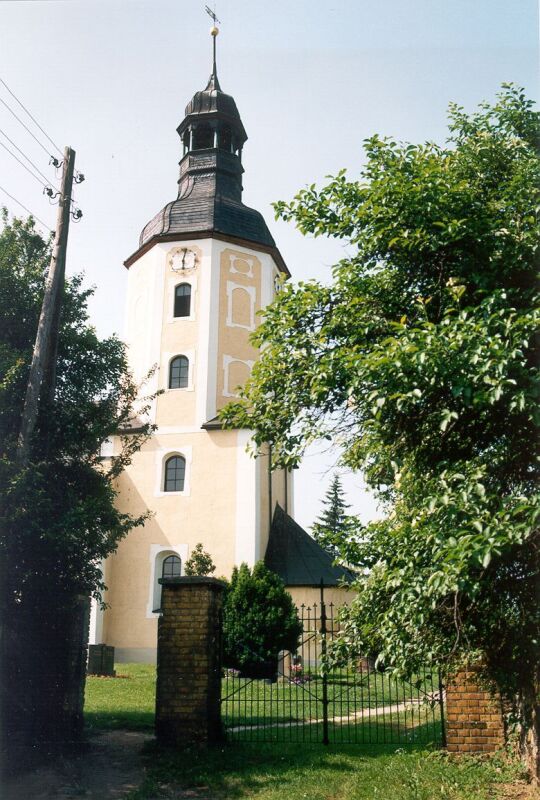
(205, 265)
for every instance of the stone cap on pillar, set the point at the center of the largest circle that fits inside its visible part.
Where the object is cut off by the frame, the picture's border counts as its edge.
(194, 580)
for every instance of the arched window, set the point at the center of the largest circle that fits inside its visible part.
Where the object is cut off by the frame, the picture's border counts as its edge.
(175, 474)
(182, 300)
(178, 372)
(172, 567)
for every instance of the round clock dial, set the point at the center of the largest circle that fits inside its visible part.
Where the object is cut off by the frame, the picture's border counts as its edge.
(182, 259)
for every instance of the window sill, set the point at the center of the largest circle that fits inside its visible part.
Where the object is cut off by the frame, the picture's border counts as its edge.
(181, 319)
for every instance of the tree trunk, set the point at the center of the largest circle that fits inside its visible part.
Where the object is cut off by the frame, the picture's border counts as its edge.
(530, 731)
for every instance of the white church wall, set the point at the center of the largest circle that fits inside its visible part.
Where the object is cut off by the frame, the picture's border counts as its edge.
(223, 501)
(144, 317)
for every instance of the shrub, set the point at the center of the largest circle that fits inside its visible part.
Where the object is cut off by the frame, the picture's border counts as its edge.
(200, 562)
(259, 620)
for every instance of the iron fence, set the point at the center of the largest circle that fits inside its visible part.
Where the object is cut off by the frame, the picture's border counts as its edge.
(356, 703)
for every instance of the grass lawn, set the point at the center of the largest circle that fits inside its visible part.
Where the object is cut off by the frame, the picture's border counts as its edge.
(342, 772)
(128, 702)
(279, 770)
(122, 702)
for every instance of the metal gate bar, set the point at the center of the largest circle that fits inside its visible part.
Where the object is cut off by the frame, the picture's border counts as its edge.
(355, 704)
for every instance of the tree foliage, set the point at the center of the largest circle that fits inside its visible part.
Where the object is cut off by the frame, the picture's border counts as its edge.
(200, 562)
(259, 620)
(57, 516)
(335, 528)
(419, 361)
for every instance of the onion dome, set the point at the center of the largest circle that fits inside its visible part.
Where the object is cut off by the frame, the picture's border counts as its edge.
(209, 201)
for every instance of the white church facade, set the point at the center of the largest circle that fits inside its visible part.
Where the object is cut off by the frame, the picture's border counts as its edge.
(205, 265)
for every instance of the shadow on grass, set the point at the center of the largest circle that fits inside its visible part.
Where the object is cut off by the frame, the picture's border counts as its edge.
(119, 720)
(242, 769)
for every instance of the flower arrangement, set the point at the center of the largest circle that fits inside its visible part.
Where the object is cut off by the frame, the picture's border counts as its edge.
(297, 675)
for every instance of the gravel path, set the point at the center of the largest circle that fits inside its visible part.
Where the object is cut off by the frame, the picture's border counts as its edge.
(109, 769)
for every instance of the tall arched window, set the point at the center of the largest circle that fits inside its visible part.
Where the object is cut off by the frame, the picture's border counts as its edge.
(172, 567)
(178, 372)
(182, 300)
(175, 474)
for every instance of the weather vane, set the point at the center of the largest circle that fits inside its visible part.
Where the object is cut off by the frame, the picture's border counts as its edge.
(214, 30)
(212, 14)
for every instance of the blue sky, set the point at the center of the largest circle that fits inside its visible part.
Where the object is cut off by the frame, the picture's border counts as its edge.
(311, 81)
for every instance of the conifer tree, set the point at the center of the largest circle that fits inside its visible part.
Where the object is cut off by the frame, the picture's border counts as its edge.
(334, 526)
(200, 562)
(259, 620)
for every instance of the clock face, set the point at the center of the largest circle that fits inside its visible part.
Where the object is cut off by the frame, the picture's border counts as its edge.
(189, 259)
(182, 259)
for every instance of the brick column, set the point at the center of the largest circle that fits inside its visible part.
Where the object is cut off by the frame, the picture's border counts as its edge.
(188, 690)
(473, 715)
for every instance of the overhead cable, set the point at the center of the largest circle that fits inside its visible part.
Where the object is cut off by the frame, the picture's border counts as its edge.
(25, 156)
(46, 149)
(34, 120)
(46, 185)
(35, 216)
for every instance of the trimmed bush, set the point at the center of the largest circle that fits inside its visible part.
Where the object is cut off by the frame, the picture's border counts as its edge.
(259, 620)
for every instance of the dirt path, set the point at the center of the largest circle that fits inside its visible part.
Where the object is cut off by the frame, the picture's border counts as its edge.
(110, 769)
(379, 711)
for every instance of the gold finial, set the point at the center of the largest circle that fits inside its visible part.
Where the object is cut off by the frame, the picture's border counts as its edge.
(214, 30)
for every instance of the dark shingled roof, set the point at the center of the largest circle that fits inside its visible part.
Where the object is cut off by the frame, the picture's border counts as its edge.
(297, 558)
(209, 200)
(212, 100)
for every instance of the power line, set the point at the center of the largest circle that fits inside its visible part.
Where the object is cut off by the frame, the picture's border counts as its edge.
(35, 216)
(28, 159)
(34, 120)
(34, 137)
(25, 127)
(46, 185)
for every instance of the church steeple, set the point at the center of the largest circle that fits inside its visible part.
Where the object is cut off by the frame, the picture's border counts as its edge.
(213, 136)
(209, 199)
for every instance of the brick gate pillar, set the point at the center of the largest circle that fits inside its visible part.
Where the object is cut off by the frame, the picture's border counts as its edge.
(188, 687)
(473, 716)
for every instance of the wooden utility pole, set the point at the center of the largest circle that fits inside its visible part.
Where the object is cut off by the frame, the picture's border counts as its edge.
(42, 369)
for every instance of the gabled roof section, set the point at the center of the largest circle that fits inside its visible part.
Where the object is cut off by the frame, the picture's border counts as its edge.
(297, 558)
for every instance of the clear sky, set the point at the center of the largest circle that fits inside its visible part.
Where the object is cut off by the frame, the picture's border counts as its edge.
(311, 80)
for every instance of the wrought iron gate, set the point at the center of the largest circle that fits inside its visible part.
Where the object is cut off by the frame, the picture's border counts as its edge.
(354, 704)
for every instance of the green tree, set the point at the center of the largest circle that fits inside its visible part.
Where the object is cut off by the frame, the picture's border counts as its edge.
(200, 562)
(335, 528)
(420, 361)
(58, 518)
(259, 620)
